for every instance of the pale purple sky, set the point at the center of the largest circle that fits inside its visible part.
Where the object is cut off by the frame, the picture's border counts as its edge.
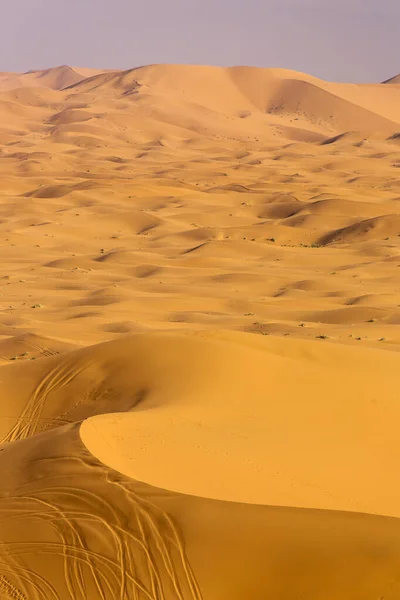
(340, 40)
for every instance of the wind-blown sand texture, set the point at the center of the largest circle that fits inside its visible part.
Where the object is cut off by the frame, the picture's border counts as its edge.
(200, 300)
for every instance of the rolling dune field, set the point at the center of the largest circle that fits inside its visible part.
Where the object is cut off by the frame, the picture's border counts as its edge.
(199, 335)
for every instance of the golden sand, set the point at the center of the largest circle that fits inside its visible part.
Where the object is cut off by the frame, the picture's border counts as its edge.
(200, 299)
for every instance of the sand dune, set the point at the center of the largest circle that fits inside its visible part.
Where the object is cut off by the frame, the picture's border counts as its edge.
(223, 394)
(393, 80)
(173, 545)
(55, 78)
(240, 89)
(189, 456)
(199, 335)
(376, 228)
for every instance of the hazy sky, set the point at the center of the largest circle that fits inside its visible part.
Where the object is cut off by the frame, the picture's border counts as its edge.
(347, 40)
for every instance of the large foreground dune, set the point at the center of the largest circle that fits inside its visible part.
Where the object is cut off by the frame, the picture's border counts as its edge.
(218, 465)
(200, 300)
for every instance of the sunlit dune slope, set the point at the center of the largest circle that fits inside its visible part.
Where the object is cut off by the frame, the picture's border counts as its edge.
(234, 405)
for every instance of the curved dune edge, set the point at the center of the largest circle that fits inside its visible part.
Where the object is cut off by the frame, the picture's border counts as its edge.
(237, 417)
(73, 527)
(315, 431)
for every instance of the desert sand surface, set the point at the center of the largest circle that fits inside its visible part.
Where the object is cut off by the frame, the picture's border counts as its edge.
(199, 342)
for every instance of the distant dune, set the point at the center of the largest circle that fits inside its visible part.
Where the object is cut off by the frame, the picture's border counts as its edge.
(231, 90)
(55, 78)
(393, 80)
(271, 91)
(199, 335)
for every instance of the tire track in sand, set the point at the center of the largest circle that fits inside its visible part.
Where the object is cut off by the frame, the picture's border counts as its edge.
(142, 557)
(28, 422)
(6, 587)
